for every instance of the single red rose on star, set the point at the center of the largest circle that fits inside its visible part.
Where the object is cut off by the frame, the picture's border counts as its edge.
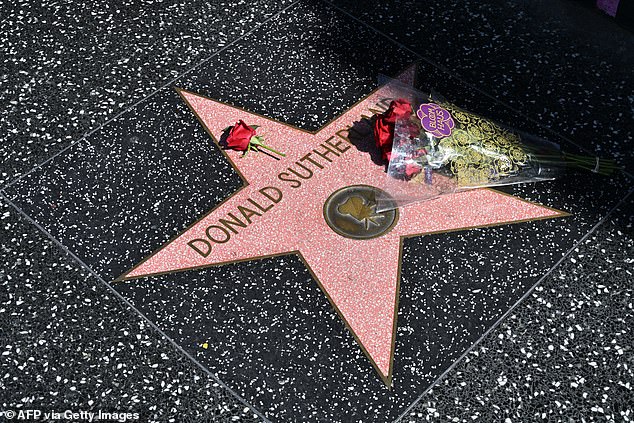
(240, 136)
(384, 125)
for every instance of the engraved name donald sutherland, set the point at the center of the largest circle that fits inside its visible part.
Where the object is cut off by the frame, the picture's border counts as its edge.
(254, 207)
(292, 177)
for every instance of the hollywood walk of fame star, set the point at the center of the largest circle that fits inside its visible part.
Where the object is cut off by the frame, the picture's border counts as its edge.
(281, 209)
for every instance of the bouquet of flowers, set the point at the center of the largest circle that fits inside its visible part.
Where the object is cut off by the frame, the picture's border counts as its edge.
(438, 148)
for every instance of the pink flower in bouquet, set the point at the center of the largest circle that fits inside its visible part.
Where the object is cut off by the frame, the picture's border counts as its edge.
(412, 169)
(435, 120)
(384, 125)
(419, 153)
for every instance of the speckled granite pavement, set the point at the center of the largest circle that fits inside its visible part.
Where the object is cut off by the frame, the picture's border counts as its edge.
(87, 214)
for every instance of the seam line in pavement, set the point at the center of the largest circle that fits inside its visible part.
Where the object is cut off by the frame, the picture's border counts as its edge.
(513, 307)
(152, 94)
(462, 80)
(178, 348)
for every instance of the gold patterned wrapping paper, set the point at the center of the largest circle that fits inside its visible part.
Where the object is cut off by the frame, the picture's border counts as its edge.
(481, 151)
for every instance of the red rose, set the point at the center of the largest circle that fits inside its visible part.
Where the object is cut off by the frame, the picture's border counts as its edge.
(398, 109)
(240, 136)
(384, 125)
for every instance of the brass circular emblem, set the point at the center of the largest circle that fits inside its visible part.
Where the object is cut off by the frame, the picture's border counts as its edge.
(351, 212)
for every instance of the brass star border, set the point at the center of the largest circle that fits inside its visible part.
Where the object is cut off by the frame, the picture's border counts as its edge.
(386, 378)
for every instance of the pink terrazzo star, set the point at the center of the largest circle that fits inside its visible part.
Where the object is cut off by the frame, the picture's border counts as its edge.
(359, 277)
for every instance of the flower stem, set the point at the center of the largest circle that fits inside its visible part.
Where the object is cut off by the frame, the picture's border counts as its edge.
(258, 142)
(272, 150)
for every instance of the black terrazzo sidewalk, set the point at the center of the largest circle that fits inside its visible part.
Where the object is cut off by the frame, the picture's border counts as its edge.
(68, 341)
(565, 354)
(68, 67)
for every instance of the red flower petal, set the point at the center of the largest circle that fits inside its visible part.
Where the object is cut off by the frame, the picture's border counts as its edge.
(240, 136)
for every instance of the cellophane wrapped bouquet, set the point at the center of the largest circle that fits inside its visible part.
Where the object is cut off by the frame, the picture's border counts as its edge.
(440, 149)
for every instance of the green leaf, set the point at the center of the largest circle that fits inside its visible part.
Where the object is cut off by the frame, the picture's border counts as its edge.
(256, 140)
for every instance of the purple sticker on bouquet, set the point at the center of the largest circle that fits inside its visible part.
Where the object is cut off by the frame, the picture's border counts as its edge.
(435, 120)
